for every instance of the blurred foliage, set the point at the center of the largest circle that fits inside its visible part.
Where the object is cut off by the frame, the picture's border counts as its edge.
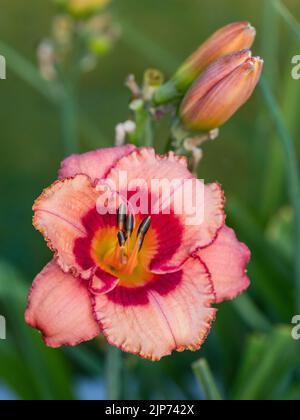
(250, 351)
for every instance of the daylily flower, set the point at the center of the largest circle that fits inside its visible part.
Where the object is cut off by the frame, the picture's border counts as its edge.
(147, 280)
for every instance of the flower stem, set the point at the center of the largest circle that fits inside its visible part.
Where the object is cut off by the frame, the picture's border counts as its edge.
(287, 16)
(113, 373)
(166, 93)
(26, 71)
(69, 120)
(292, 172)
(148, 136)
(206, 380)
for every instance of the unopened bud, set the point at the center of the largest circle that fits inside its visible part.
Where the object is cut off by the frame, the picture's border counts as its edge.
(220, 91)
(231, 38)
(82, 8)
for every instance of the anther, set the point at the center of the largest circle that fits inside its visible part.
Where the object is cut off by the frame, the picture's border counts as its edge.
(143, 230)
(129, 225)
(121, 239)
(121, 219)
(122, 242)
(129, 230)
(144, 226)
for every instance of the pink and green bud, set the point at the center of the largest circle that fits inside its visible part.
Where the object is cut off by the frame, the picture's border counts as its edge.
(220, 91)
(231, 38)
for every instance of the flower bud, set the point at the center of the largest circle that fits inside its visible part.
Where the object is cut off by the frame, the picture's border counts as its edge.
(82, 8)
(231, 38)
(220, 91)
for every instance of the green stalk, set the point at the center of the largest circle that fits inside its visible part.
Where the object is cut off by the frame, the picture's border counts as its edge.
(27, 72)
(292, 172)
(167, 93)
(152, 52)
(288, 17)
(206, 380)
(270, 47)
(113, 373)
(144, 133)
(267, 359)
(68, 112)
(51, 91)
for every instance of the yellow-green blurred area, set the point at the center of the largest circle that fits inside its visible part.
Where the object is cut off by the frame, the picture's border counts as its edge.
(250, 351)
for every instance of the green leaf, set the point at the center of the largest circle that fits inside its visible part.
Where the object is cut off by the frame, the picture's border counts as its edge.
(251, 315)
(280, 232)
(267, 360)
(27, 72)
(288, 17)
(292, 172)
(53, 92)
(274, 178)
(153, 53)
(44, 371)
(269, 272)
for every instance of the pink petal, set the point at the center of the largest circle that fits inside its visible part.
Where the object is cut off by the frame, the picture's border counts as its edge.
(177, 238)
(95, 164)
(59, 215)
(171, 313)
(103, 282)
(60, 307)
(226, 260)
(200, 234)
(216, 72)
(145, 164)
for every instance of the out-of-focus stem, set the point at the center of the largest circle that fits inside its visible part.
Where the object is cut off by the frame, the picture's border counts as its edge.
(287, 16)
(113, 373)
(69, 120)
(206, 380)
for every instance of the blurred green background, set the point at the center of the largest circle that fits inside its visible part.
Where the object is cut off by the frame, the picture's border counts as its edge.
(250, 350)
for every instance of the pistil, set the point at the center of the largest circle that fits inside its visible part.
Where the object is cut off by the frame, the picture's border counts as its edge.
(142, 231)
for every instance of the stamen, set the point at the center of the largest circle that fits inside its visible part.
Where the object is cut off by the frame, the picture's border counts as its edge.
(144, 227)
(129, 225)
(129, 230)
(126, 261)
(121, 239)
(122, 242)
(142, 231)
(121, 219)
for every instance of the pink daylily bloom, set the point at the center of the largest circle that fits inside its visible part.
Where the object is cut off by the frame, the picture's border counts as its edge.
(147, 280)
